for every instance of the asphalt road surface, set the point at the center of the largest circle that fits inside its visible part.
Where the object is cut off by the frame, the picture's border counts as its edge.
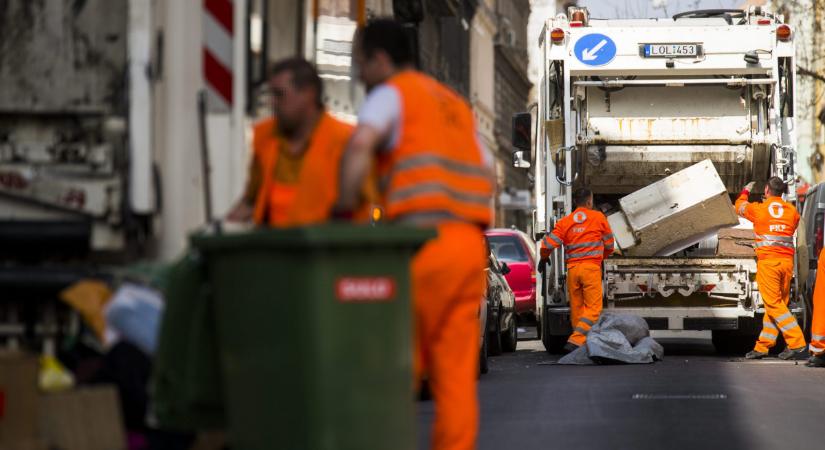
(693, 399)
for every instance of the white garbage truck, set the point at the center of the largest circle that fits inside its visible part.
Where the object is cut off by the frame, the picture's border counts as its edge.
(623, 104)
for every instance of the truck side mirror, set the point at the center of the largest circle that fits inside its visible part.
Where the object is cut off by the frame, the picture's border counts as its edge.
(522, 123)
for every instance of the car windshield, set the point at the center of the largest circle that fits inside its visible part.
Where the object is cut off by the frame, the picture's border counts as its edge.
(507, 248)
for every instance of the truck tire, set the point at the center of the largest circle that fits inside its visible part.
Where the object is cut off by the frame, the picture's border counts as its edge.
(509, 341)
(553, 344)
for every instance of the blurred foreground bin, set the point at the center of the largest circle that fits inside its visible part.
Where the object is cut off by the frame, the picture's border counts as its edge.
(186, 391)
(314, 330)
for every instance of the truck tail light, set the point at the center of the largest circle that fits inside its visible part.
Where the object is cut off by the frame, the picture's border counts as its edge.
(783, 32)
(764, 21)
(708, 287)
(578, 18)
(557, 35)
(819, 233)
(533, 276)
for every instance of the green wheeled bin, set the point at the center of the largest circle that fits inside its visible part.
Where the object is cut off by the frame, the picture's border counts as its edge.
(314, 335)
(186, 389)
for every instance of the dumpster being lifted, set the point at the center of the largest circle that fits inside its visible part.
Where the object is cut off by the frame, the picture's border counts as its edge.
(313, 334)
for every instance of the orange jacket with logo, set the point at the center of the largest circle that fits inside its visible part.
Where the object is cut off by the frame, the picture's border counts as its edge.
(310, 200)
(774, 223)
(585, 234)
(436, 174)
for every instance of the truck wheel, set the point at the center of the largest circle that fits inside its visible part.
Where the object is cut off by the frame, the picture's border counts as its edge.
(553, 344)
(483, 363)
(510, 340)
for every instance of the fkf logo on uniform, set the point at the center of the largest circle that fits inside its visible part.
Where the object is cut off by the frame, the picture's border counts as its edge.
(579, 217)
(776, 211)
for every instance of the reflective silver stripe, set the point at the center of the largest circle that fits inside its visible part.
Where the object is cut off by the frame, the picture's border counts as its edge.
(742, 208)
(436, 160)
(816, 350)
(770, 237)
(582, 255)
(583, 245)
(587, 321)
(772, 244)
(768, 325)
(607, 237)
(582, 330)
(435, 188)
(783, 317)
(817, 337)
(767, 336)
(555, 238)
(789, 326)
(433, 160)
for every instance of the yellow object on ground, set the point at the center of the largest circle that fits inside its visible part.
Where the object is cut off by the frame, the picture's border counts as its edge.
(53, 376)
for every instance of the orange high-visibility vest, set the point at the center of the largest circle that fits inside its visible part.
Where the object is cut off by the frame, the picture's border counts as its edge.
(311, 199)
(436, 173)
(774, 223)
(585, 234)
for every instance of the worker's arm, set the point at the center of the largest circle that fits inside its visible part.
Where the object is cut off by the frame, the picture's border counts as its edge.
(355, 166)
(552, 240)
(244, 209)
(377, 121)
(743, 208)
(607, 238)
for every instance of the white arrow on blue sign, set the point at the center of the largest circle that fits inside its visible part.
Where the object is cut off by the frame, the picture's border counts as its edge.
(595, 49)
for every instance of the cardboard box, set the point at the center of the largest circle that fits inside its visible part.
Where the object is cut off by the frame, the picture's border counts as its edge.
(87, 418)
(18, 398)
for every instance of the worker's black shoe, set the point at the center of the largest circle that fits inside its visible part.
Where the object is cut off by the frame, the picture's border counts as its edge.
(753, 354)
(568, 347)
(816, 361)
(794, 354)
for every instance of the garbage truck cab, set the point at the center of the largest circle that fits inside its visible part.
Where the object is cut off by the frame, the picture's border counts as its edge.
(623, 104)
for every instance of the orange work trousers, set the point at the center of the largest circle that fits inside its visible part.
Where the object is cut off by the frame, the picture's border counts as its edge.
(584, 287)
(448, 284)
(773, 275)
(817, 346)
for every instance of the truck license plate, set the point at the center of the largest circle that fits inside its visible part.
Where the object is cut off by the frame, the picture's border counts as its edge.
(671, 50)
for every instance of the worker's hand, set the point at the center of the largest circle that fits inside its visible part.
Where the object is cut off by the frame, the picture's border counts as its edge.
(544, 253)
(749, 187)
(241, 212)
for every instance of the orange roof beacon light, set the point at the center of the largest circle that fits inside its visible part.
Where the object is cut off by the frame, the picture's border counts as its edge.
(783, 32)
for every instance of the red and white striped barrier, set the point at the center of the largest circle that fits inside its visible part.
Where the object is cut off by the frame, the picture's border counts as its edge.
(218, 42)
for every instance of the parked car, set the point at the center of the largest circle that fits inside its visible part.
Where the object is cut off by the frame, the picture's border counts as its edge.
(502, 330)
(483, 363)
(515, 248)
(810, 239)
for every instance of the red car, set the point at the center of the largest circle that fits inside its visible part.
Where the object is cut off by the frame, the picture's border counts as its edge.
(519, 252)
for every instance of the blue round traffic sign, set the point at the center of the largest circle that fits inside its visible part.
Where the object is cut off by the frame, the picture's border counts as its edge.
(595, 49)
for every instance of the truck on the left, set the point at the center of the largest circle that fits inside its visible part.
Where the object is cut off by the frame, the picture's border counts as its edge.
(87, 135)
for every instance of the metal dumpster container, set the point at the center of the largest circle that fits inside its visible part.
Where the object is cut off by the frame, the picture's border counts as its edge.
(673, 213)
(314, 335)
